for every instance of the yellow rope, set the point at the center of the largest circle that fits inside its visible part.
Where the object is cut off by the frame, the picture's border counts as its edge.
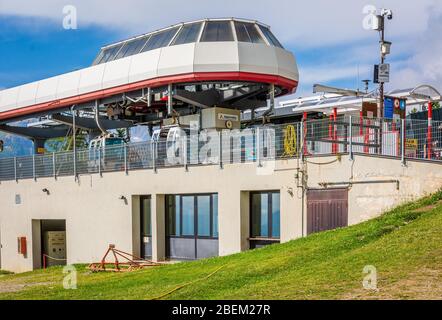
(290, 141)
(186, 284)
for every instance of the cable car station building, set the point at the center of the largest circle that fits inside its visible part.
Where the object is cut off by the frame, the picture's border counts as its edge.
(217, 177)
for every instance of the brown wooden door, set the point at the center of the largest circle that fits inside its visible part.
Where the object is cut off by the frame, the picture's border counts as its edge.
(326, 209)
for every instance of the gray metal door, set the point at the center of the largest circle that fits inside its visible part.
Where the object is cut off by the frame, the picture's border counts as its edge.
(326, 209)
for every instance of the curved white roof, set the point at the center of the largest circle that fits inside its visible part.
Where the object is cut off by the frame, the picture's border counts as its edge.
(208, 50)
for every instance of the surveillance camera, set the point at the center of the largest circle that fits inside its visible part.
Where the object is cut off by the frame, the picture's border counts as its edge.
(387, 13)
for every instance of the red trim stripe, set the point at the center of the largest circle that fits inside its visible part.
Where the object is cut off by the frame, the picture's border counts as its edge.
(286, 83)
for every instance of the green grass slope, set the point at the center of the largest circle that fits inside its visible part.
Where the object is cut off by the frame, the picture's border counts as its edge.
(404, 245)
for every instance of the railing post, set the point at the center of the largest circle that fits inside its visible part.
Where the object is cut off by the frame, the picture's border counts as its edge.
(350, 128)
(301, 140)
(15, 169)
(154, 156)
(403, 142)
(185, 152)
(54, 167)
(75, 163)
(258, 146)
(99, 161)
(33, 167)
(126, 168)
(220, 148)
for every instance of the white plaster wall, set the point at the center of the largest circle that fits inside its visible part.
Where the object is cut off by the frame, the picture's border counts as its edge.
(96, 217)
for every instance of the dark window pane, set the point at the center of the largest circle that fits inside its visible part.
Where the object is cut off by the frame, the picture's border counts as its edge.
(160, 39)
(275, 215)
(146, 227)
(188, 215)
(203, 216)
(270, 37)
(260, 215)
(173, 215)
(215, 215)
(247, 32)
(188, 34)
(217, 31)
(132, 47)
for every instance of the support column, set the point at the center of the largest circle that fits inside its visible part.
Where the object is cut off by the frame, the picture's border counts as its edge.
(158, 227)
(39, 145)
(170, 100)
(429, 131)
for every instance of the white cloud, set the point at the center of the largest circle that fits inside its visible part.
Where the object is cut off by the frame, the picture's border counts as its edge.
(314, 22)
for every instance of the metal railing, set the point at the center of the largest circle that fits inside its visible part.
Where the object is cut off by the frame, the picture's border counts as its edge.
(404, 139)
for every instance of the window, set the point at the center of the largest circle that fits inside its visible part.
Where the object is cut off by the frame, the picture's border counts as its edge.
(188, 213)
(109, 54)
(247, 32)
(192, 215)
(160, 39)
(203, 203)
(131, 47)
(265, 215)
(270, 37)
(173, 207)
(188, 34)
(217, 31)
(146, 223)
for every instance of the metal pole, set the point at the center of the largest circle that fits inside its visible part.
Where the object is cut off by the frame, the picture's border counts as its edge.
(258, 146)
(403, 142)
(220, 149)
(301, 139)
(185, 152)
(351, 138)
(429, 130)
(381, 84)
(169, 100)
(15, 168)
(33, 167)
(74, 141)
(154, 150)
(126, 168)
(149, 97)
(54, 167)
(99, 161)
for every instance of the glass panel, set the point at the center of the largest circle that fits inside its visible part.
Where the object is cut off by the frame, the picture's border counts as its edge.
(275, 215)
(173, 215)
(264, 215)
(215, 215)
(188, 215)
(270, 37)
(160, 39)
(188, 34)
(247, 32)
(203, 204)
(260, 216)
(146, 227)
(217, 31)
(109, 53)
(132, 47)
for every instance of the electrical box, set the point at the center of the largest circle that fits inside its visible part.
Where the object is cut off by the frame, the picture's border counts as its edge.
(55, 248)
(22, 245)
(220, 118)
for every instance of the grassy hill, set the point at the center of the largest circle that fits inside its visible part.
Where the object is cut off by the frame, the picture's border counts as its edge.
(404, 245)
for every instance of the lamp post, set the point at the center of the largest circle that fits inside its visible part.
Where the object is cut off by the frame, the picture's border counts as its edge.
(379, 25)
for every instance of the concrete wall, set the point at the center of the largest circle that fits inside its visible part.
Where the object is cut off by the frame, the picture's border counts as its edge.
(96, 216)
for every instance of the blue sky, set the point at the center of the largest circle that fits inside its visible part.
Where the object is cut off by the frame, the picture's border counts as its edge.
(327, 37)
